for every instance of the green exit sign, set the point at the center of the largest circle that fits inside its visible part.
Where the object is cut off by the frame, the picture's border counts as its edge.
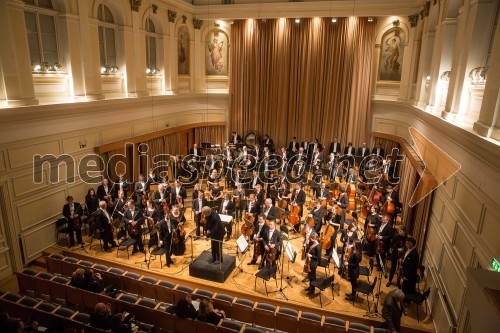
(495, 265)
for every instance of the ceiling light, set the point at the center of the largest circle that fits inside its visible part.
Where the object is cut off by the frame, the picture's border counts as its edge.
(370, 19)
(334, 20)
(297, 20)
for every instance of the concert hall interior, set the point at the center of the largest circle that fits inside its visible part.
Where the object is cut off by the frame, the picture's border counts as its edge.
(255, 165)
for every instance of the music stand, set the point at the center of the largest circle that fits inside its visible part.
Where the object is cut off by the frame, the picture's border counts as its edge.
(248, 191)
(336, 262)
(292, 256)
(242, 245)
(206, 145)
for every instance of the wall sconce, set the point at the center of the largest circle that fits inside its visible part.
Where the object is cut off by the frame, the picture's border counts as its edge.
(83, 143)
(152, 71)
(35, 67)
(427, 80)
(108, 70)
(370, 19)
(334, 20)
(45, 67)
(297, 20)
(445, 76)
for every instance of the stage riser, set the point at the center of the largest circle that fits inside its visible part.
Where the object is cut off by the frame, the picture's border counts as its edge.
(202, 269)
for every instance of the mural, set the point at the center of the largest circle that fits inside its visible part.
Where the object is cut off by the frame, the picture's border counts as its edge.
(216, 59)
(183, 51)
(391, 55)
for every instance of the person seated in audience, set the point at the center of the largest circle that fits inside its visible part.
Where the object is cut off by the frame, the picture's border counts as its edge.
(10, 324)
(208, 314)
(122, 323)
(185, 308)
(101, 316)
(78, 278)
(92, 281)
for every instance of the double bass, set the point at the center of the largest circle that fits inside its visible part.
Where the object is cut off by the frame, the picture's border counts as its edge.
(326, 236)
(351, 192)
(294, 217)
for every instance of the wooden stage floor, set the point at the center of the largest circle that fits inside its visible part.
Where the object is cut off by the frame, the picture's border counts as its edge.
(241, 284)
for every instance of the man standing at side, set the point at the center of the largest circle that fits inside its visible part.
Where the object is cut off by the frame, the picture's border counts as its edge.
(393, 310)
(215, 231)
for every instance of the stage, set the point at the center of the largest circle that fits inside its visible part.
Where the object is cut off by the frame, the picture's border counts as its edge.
(241, 283)
(203, 269)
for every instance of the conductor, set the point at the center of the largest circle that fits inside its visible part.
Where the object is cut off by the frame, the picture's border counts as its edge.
(215, 231)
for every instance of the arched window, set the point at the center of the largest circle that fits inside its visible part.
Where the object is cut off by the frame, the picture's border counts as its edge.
(107, 42)
(39, 16)
(151, 42)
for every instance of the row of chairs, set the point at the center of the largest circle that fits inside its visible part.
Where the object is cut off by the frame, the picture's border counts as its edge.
(49, 315)
(252, 313)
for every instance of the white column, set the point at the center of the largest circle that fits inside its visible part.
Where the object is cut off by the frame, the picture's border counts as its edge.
(407, 71)
(135, 44)
(70, 52)
(422, 93)
(199, 67)
(172, 58)
(14, 55)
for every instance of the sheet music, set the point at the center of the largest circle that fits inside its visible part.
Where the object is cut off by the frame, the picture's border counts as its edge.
(225, 218)
(290, 252)
(242, 243)
(335, 257)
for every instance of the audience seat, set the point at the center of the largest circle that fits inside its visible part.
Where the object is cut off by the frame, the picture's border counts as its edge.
(265, 315)
(243, 310)
(224, 302)
(287, 320)
(310, 322)
(334, 325)
(164, 291)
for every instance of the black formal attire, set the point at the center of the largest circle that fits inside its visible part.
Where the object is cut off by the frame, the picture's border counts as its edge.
(336, 172)
(317, 159)
(378, 151)
(124, 186)
(103, 222)
(176, 193)
(253, 209)
(196, 152)
(315, 253)
(375, 220)
(363, 152)
(299, 198)
(259, 198)
(276, 239)
(100, 320)
(293, 146)
(197, 206)
(211, 318)
(255, 181)
(229, 207)
(410, 266)
(118, 208)
(180, 248)
(185, 309)
(386, 232)
(92, 203)
(398, 242)
(317, 215)
(216, 233)
(238, 210)
(335, 147)
(353, 269)
(269, 212)
(74, 224)
(139, 189)
(350, 152)
(330, 218)
(235, 139)
(134, 232)
(268, 143)
(322, 193)
(259, 232)
(102, 192)
(166, 229)
(158, 196)
(152, 179)
(343, 203)
(392, 312)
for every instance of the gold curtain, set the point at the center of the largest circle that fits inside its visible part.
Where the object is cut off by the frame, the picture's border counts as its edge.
(212, 134)
(118, 165)
(409, 178)
(386, 144)
(310, 79)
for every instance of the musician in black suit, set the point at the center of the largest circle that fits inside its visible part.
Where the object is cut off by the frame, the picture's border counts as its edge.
(410, 266)
(259, 195)
(215, 231)
(133, 219)
(103, 222)
(398, 250)
(252, 208)
(352, 264)
(255, 180)
(317, 215)
(322, 193)
(234, 138)
(343, 203)
(300, 170)
(298, 198)
(384, 233)
(227, 208)
(161, 195)
(293, 146)
(373, 221)
(363, 151)
(121, 185)
(257, 153)
(119, 206)
(166, 228)
(272, 242)
(317, 157)
(314, 256)
(104, 191)
(152, 177)
(259, 232)
(349, 150)
(73, 213)
(269, 210)
(198, 204)
(195, 151)
(378, 150)
(335, 147)
(141, 188)
(178, 192)
(305, 145)
(392, 310)
(268, 142)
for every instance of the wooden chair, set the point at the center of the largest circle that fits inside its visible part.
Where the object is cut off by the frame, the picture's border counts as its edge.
(224, 302)
(68, 266)
(130, 283)
(53, 263)
(148, 288)
(25, 281)
(204, 327)
(41, 283)
(230, 326)
(265, 315)
(180, 292)
(334, 325)
(164, 320)
(243, 310)
(358, 328)
(164, 291)
(184, 325)
(310, 322)
(287, 320)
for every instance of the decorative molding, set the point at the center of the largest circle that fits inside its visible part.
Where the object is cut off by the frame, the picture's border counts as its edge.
(478, 75)
(197, 23)
(135, 5)
(155, 8)
(445, 76)
(425, 10)
(184, 18)
(395, 23)
(171, 16)
(413, 20)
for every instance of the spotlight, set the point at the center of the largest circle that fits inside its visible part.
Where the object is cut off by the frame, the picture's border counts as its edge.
(35, 67)
(103, 70)
(231, 22)
(334, 20)
(148, 70)
(297, 20)
(370, 19)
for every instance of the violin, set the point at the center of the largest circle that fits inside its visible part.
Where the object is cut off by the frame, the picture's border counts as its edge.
(203, 219)
(144, 199)
(247, 227)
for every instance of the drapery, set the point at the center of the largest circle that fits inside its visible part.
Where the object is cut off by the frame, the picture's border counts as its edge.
(210, 134)
(311, 79)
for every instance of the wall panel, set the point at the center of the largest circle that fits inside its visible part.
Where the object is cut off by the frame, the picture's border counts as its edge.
(469, 205)
(23, 156)
(40, 208)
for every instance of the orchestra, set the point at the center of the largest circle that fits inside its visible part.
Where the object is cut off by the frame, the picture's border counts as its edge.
(256, 203)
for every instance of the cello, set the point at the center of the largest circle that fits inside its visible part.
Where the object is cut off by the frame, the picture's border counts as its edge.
(294, 218)
(351, 192)
(326, 236)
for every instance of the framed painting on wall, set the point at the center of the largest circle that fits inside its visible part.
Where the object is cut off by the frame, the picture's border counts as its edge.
(391, 55)
(183, 51)
(216, 59)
